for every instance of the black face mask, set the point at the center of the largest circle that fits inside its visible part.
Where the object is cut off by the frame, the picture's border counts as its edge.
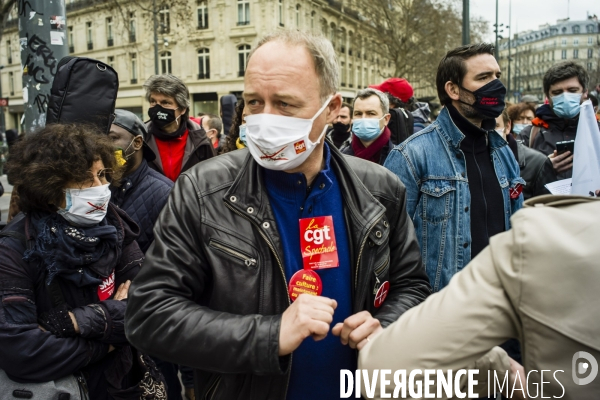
(341, 127)
(489, 99)
(161, 116)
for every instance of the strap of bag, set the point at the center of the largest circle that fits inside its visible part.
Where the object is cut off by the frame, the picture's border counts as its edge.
(534, 132)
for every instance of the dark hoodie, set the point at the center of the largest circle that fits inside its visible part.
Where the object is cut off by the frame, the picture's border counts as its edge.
(227, 108)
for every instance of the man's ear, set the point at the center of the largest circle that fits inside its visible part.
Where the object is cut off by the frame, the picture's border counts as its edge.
(386, 118)
(452, 90)
(333, 109)
(138, 142)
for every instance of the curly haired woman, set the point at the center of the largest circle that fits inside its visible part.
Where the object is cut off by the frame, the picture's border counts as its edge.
(66, 262)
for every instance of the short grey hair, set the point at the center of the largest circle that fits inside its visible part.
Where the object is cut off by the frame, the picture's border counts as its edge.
(368, 92)
(168, 85)
(321, 51)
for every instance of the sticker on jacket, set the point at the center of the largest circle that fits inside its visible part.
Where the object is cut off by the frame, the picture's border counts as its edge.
(107, 287)
(317, 242)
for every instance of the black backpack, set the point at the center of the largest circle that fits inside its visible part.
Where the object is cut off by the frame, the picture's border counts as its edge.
(401, 125)
(84, 91)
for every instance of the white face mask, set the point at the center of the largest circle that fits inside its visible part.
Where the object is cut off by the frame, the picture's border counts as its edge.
(281, 143)
(86, 207)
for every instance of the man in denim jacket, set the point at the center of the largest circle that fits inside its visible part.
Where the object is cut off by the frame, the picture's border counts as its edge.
(462, 181)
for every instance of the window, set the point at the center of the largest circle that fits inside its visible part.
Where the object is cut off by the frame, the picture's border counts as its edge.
(8, 53)
(563, 55)
(343, 74)
(575, 53)
(333, 36)
(243, 53)
(297, 15)
(203, 64)
(575, 42)
(243, 12)
(71, 40)
(109, 32)
(576, 29)
(590, 53)
(589, 67)
(89, 33)
(202, 16)
(132, 28)
(589, 28)
(165, 62)
(312, 21)
(590, 40)
(164, 19)
(11, 83)
(343, 40)
(564, 42)
(350, 42)
(350, 76)
(111, 61)
(280, 12)
(134, 68)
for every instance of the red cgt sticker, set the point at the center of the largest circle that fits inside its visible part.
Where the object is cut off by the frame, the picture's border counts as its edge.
(381, 294)
(317, 242)
(516, 191)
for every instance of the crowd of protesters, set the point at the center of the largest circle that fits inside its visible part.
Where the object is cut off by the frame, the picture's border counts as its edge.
(256, 254)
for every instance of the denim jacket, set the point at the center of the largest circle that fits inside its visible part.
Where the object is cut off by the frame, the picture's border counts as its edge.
(434, 171)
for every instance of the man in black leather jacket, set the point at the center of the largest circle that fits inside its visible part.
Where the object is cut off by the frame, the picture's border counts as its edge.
(213, 292)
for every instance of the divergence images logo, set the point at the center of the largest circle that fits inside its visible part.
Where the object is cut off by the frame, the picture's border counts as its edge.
(580, 368)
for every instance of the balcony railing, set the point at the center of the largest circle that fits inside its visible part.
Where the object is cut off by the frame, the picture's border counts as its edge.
(90, 45)
(71, 49)
(204, 76)
(110, 42)
(132, 38)
(134, 81)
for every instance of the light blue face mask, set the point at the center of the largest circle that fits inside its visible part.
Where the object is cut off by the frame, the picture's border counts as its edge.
(366, 129)
(517, 128)
(243, 134)
(566, 105)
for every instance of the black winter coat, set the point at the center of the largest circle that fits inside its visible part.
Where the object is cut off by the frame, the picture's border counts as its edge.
(28, 354)
(212, 290)
(142, 195)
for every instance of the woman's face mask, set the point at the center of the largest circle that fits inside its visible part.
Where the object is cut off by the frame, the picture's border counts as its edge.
(279, 142)
(86, 207)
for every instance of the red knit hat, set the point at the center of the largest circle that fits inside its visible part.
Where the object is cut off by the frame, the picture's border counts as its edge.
(397, 87)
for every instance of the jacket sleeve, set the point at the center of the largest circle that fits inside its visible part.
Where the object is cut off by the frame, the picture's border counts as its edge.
(103, 321)
(457, 325)
(164, 317)
(399, 163)
(409, 284)
(27, 353)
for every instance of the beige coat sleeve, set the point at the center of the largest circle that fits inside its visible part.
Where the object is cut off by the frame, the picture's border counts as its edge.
(456, 327)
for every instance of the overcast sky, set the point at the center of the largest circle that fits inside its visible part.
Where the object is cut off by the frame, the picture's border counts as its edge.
(529, 14)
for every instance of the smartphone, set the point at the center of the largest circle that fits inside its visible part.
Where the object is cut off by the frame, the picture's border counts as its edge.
(567, 145)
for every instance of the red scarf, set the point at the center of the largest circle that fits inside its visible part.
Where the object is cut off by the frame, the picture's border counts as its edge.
(373, 152)
(171, 154)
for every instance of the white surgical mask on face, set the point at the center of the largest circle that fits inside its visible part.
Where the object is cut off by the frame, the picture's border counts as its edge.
(86, 207)
(281, 143)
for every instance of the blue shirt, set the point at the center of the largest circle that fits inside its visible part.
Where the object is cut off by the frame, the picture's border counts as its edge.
(315, 365)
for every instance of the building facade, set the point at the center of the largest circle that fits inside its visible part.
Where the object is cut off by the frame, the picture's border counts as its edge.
(533, 52)
(206, 43)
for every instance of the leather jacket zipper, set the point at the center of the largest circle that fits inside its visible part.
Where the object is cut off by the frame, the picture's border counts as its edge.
(278, 263)
(83, 389)
(381, 268)
(249, 261)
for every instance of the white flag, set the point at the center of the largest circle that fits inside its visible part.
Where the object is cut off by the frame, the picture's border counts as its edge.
(586, 157)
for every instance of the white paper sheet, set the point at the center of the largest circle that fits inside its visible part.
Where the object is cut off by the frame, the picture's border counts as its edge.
(560, 187)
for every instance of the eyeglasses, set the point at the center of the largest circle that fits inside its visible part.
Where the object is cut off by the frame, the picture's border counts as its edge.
(104, 176)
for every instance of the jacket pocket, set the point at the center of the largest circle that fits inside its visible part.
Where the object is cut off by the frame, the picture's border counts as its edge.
(248, 260)
(437, 200)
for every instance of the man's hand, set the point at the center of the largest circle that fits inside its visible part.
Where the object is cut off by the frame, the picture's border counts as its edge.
(122, 291)
(561, 162)
(517, 372)
(307, 316)
(356, 329)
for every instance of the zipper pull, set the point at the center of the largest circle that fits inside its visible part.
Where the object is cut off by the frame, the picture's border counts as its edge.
(250, 262)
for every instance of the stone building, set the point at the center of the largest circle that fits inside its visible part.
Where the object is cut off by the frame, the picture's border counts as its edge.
(533, 52)
(206, 43)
